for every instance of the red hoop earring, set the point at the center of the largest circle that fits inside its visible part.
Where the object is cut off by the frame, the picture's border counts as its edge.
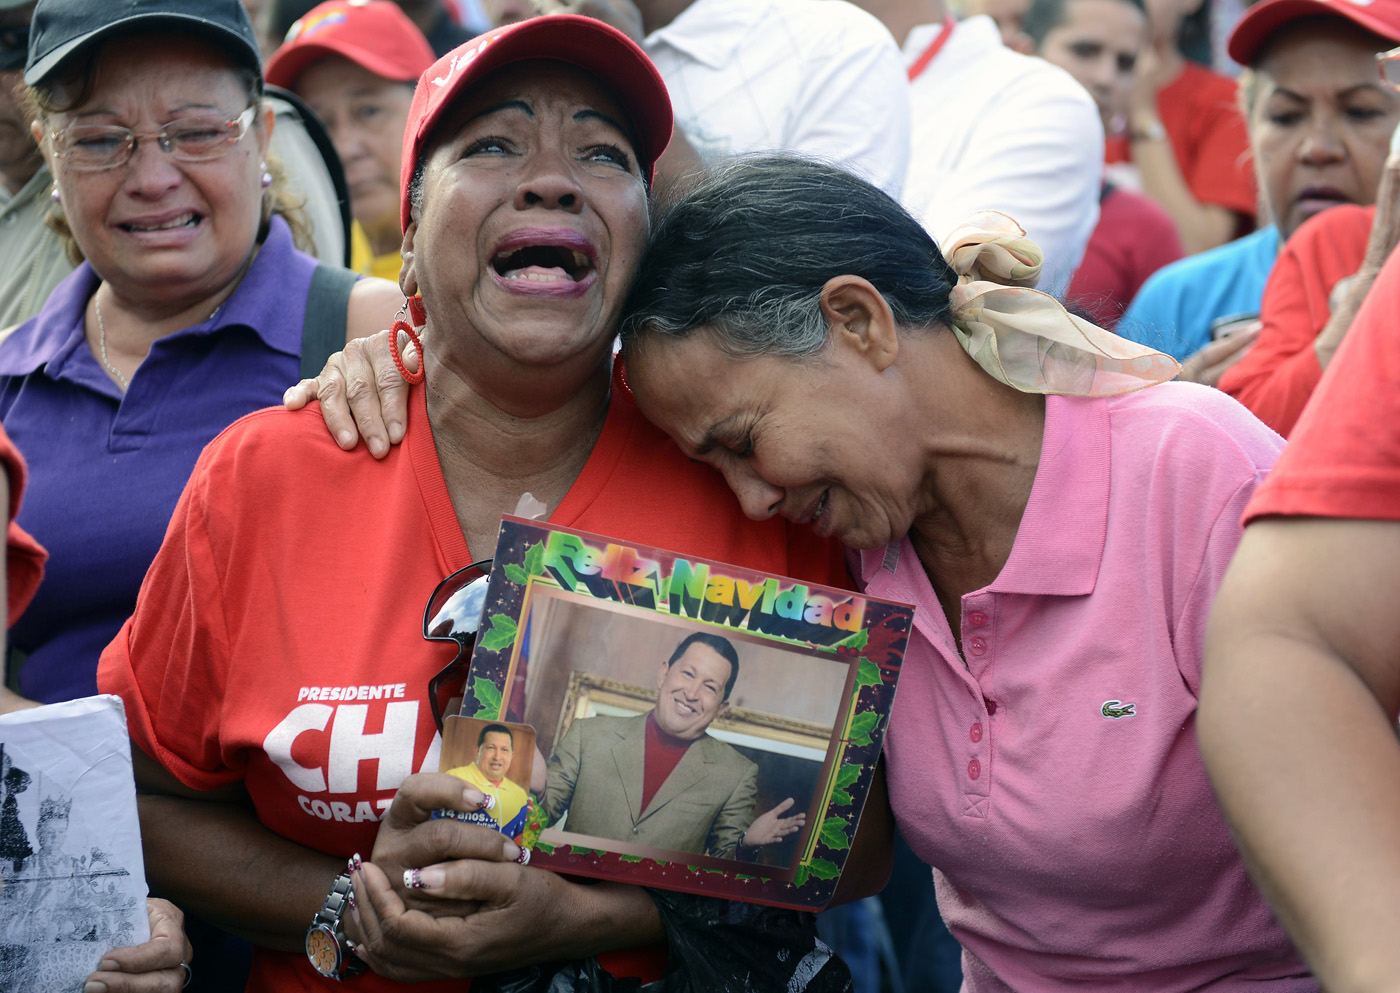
(415, 308)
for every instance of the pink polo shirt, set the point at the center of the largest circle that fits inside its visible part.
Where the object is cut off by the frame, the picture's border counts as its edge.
(1050, 772)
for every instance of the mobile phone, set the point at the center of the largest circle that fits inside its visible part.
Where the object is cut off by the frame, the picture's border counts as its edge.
(1223, 327)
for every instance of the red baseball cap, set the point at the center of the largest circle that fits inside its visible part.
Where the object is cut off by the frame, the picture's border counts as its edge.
(1262, 21)
(374, 34)
(599, 50)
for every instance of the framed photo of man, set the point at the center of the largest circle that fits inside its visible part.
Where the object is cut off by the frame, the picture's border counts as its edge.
(703, 727)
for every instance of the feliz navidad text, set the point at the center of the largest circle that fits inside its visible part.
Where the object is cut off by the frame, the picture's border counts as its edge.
(696, 590)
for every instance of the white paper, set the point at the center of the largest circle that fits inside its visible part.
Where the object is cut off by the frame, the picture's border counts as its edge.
(74, 884)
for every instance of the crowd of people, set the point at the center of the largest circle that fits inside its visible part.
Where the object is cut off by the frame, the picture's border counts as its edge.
(1014, 311)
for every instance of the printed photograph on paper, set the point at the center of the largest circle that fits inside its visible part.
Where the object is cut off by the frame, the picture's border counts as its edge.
(702, 727)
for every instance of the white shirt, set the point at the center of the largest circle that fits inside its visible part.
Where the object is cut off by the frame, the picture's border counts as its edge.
(820, 77)
(994, 129)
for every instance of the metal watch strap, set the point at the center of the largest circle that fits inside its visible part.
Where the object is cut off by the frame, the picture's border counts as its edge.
(337, 903)
(330, 915)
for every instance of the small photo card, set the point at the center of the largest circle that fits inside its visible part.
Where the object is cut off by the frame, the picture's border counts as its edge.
(496, 757)
(704, 727)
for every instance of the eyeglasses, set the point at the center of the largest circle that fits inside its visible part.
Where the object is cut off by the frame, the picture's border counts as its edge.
(454, 614)
(94, 147)
(1390, 68)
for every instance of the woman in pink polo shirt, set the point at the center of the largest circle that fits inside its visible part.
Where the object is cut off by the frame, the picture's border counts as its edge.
(1060, 529)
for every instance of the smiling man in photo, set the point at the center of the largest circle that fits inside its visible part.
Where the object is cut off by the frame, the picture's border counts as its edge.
(660, 778)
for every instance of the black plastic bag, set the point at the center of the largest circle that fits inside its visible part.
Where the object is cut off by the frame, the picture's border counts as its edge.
(714, 946)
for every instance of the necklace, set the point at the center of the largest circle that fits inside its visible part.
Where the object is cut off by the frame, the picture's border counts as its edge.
(122, 381)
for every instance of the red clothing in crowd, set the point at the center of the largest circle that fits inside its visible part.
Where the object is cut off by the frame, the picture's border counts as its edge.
(277, 640)
(24, 557)
(1134, 238)
(1344, 457)
(1200, 112)
(1278, 375)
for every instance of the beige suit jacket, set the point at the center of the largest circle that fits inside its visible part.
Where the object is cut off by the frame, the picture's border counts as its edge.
(704, 806)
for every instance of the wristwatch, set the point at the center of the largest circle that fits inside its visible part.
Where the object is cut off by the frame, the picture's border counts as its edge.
(326, 946)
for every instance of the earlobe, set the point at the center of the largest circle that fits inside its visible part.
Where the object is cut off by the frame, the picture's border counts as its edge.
(860, 318)
(408, 276)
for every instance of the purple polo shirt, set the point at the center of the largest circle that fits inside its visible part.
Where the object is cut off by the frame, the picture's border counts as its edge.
(1049, 771)
(107, 470)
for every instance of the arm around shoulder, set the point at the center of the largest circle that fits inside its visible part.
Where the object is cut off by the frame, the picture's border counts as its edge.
(373, 304)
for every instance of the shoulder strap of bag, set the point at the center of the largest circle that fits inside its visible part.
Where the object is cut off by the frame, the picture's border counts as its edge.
(323, 330)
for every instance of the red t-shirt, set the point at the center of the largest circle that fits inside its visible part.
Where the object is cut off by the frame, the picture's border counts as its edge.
(277, 640)
(1200, 112)
(1277, 375)
(1134, 238)
(1343, 459)
(24, 557)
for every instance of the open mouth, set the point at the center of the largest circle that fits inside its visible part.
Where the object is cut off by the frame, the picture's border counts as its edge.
(543, 264)
(821, 506)
(187, 220)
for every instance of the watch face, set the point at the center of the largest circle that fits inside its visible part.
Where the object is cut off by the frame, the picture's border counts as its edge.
(323, 950)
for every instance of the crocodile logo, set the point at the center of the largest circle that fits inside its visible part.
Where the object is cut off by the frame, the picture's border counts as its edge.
(1117, 709)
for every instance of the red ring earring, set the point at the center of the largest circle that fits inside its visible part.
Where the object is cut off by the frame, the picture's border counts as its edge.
(414, 306)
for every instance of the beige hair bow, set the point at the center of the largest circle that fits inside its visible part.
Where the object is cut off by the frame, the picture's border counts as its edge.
(1026, 338)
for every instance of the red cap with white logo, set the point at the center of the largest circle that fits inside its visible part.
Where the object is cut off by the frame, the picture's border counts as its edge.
(1262, 21)
(374, 34)
(599, 50)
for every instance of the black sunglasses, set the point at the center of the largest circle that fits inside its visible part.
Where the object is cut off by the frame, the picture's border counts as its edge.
(454, 614)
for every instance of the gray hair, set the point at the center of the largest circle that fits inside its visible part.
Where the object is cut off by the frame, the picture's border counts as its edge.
(748, 251)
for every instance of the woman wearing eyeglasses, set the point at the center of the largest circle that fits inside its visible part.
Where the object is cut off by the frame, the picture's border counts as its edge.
(188, 312)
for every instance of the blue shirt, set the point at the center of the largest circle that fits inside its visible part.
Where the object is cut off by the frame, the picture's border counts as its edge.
(107, 470)
(1175, 307)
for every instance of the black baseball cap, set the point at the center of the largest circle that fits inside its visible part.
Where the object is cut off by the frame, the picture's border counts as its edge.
(62, 29)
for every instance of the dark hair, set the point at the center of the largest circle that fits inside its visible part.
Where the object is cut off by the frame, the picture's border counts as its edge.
(720, 646)
(747, 252)
(494, 729)
(1045, 16)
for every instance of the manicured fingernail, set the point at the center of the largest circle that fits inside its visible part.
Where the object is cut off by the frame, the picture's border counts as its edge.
(431, 879)
(377, 447)
(524, 857)
(488, 802)
(351, 901)
(109, 965)
(94, 988)
(346, 438)
(356, 863)
(512, 851)
(413, 879)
